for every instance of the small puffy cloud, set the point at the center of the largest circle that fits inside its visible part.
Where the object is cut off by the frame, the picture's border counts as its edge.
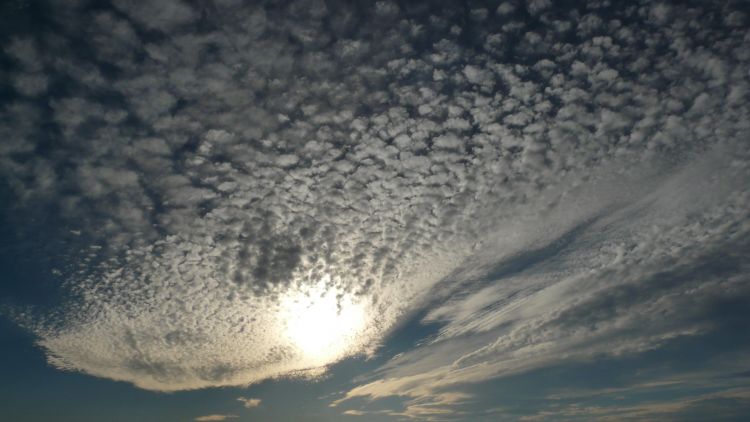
(249, 403)
(25, 51)
(536, 6)
(505, 8)
(286, 160)
(660, 12)
(31, 85)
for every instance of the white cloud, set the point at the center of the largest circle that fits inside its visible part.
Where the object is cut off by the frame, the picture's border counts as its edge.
(353, 413)
(505, 8)
(210, 418)
(536, 6)
(249, 403)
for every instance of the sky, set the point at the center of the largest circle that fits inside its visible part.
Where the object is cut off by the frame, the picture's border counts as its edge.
(329, 210)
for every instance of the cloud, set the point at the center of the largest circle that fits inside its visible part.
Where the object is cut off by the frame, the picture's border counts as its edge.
(209, 418)
(353, 413)
(580, 295)
(702, 405)
(249, 403)
(243, 177)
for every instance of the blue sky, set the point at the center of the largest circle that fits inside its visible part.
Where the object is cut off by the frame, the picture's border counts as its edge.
(382, 211)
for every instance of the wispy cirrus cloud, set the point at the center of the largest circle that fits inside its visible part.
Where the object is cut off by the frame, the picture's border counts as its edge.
(678, 409)
(662, 267)
(210, 418)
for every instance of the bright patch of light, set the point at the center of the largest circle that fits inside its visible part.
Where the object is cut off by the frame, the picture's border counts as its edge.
(322, 322)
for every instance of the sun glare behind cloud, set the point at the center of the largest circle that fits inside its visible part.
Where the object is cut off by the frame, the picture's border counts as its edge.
(323, 323)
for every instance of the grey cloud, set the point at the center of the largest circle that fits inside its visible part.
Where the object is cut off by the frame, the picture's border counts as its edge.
(26, 52)
(31, 85)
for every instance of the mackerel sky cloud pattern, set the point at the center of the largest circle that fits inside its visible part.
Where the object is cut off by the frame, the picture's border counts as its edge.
(545, 183)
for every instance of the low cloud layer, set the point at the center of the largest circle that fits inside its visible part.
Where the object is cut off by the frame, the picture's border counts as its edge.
(552, 183)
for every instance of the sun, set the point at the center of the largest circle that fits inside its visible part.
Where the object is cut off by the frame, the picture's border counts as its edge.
(322, 323)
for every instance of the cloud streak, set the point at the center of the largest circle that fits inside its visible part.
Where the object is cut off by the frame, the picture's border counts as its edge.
(210, 418)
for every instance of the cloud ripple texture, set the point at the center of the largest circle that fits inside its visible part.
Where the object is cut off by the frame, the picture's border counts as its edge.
(225, 178)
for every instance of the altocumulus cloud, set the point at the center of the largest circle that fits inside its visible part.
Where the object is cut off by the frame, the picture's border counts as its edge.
(227, 168)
